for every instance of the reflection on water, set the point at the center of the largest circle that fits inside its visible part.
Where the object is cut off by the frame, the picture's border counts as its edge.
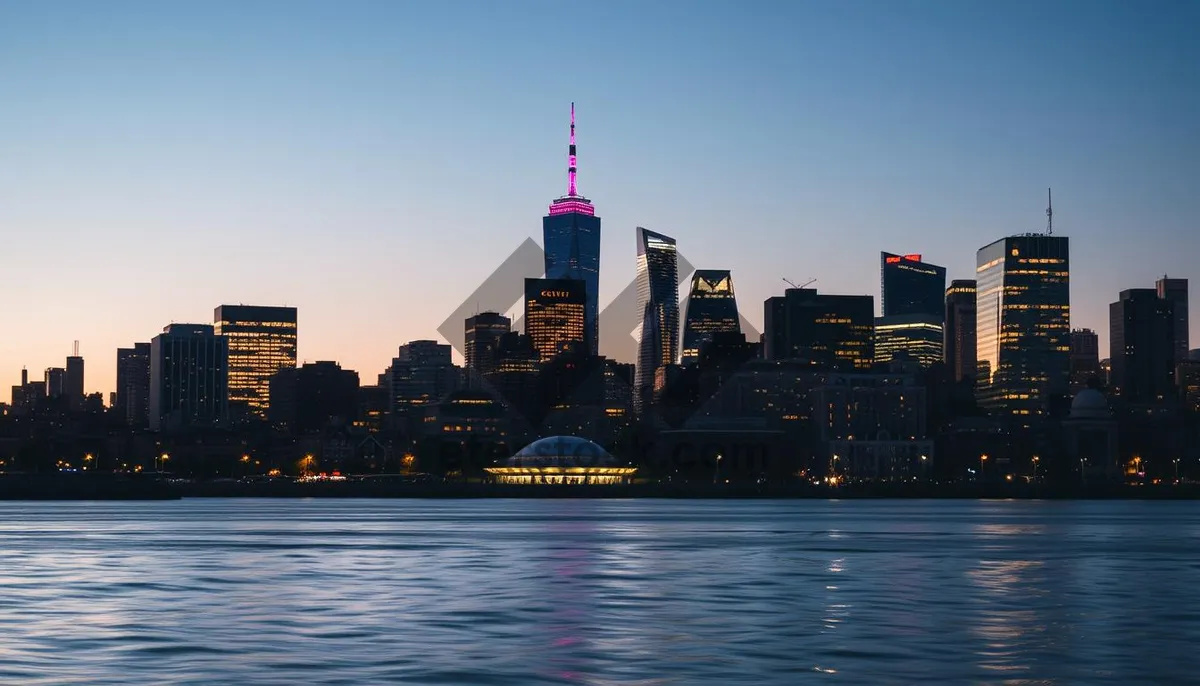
(598, 592)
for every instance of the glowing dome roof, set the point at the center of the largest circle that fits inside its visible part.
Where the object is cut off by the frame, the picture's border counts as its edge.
(562, 451)
(1090, 404)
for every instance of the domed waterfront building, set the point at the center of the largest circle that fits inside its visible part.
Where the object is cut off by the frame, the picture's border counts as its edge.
(562, 460)
(1091, 437)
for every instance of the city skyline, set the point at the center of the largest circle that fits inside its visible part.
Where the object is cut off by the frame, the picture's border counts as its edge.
(116, 193)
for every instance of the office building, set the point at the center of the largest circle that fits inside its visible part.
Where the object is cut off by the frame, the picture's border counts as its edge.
(421, 373)
(571, 240)
(909, 286)
(73, 380)
(132, 402)
(555, 315)
(483, 332)
(1141, 343)
(1023, 323)
(54, 378)
(189, 378)
(958, 347)
(313, 397)
(1187, 379)
(915, 336)
(826, 331)
(658, 301)
(1176, 290)
(262, 341)
(1085, 359)
(711, 309)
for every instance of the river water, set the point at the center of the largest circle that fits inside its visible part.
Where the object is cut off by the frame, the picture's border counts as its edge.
(529, 592)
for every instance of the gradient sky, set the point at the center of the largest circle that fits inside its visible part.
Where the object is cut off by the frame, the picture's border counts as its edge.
(372, 162)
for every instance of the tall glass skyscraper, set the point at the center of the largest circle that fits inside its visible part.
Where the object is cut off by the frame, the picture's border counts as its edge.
(1176, 290)
(262, 341)
(1023, 322)
(910, 286)
(571, 240)
(959, 333)
(711, 308)
(658, 296)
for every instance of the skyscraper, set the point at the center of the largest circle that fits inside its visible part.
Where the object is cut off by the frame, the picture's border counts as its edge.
(482, 333)
(189, 377)
(1142, 346)
(133, 385)
(73, 379)
(1176, 290)
(711, 308)
(571, 240)
(829, 331)
(1023, 310)
(658, 297)
(910, 286)
(1085, 358)
(555, 315)
(262, 340)
(959, 333)
(54, 378)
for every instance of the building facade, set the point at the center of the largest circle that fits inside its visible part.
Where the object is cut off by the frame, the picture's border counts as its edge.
(422, 372)
(262, 341)
(658, 300)
(314, 397)
(483, 331)
(133, 385)
(909, 286)
(1085, 359)
(711, 309)
(1023, 323)
(189, 378)
(571, 241)
(958, 346)
(828, 331)
(555, 315)
(1141, 343)
(73, 381)
(916, 336)
(1176, 290)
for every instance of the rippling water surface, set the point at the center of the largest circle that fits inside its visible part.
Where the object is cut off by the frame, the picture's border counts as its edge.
(599, 592)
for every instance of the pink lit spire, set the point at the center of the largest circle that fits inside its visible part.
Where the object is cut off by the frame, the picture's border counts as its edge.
(571, 170)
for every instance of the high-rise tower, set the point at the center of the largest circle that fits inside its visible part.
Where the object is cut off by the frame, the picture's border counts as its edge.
(711, 308)
(571, 240)
(1023, 322)
(658, 295)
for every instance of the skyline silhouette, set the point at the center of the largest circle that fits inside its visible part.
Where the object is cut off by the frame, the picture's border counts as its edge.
(371, 165)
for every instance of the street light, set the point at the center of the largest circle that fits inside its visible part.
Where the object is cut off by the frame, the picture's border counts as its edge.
(982, 458)
(158, 462)
(1036, 459)
(717, 467)
(1176, 461)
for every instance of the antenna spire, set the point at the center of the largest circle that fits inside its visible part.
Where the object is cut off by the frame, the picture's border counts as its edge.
(1049, 214)
(571, 170)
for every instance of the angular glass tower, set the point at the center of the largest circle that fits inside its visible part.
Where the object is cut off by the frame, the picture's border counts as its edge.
(658, 297)
(571, 240)
(711, 308)
(910, 286)
(1023, 322)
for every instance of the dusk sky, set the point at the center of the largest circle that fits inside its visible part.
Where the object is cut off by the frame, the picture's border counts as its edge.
(372, 162)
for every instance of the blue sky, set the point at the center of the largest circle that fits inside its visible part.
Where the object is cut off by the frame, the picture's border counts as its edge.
(372, 162)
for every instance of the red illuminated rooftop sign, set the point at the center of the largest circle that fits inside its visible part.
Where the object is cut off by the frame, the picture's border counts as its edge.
(896, 259)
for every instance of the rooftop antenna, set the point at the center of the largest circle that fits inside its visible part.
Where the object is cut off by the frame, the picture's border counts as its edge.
(571, 168)
(1049, 214)
(75, 349)
(806, 284)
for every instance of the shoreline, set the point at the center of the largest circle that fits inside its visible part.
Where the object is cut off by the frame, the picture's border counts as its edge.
(33, 487)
